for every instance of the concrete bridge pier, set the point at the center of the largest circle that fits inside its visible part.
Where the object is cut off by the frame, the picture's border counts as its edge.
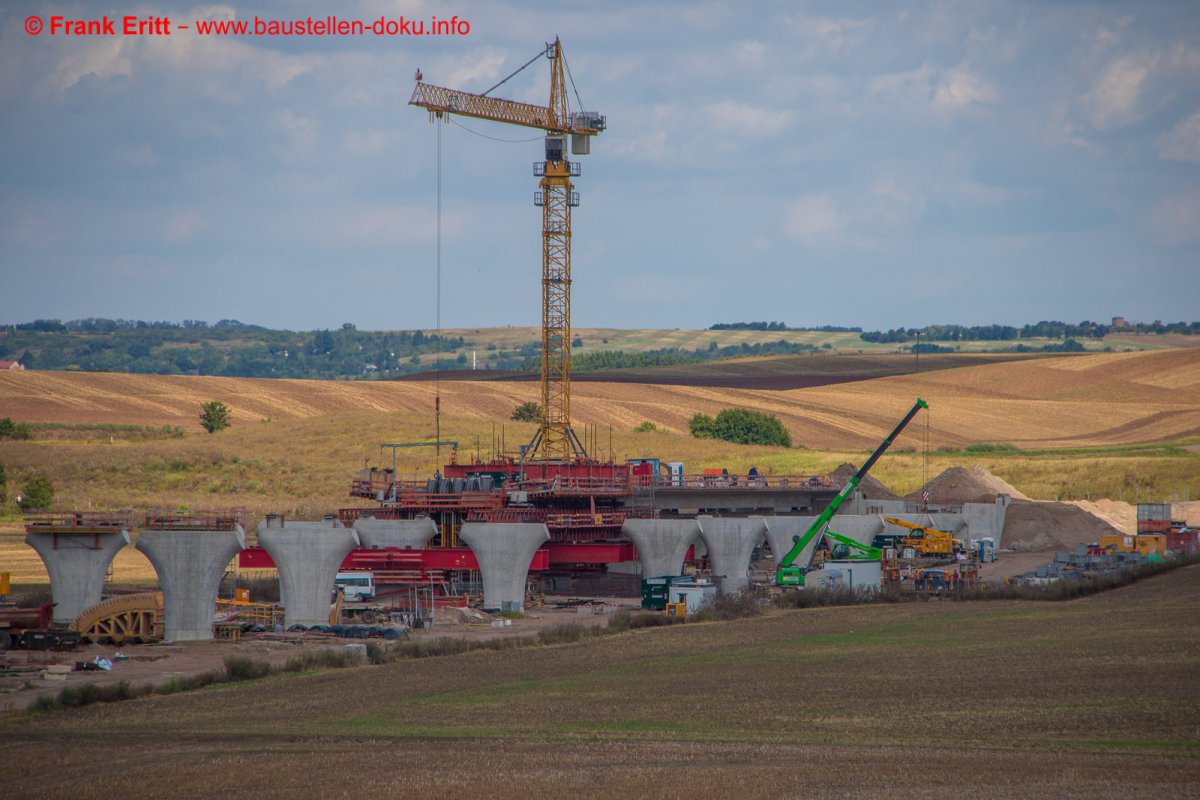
(190, 565)
(661, 543)
(307, 555)
(780, 531)
(504, 552)
(404, 534)
(730, 542)
(77, 563)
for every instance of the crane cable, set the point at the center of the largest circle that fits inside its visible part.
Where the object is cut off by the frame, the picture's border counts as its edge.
(485, 136)
(437, 341)
(573, 87)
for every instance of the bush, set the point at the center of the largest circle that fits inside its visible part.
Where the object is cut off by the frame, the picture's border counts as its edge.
(37, 495)
(326, 659)
(528, 412)
(645, 427)
(13, 430)
(241, 668)
(3, 484)
(741, 426)
(214, 416)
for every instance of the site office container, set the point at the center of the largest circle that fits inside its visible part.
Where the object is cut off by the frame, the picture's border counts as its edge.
(1145, 544)
(1122, 543)
(1185, 541)
(1154, 525)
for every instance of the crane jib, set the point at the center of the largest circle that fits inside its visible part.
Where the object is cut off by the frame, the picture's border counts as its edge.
(822, 521)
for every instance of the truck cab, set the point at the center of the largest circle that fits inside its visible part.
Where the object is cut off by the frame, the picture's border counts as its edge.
(355, 586)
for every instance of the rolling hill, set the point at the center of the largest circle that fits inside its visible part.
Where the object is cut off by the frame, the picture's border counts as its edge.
(1092, 400)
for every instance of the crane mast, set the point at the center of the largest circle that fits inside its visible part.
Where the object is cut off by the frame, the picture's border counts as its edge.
(555, 441)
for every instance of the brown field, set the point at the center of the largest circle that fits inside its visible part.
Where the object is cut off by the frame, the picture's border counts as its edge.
(1095, 400)
(1081, 421)
(1094, 698)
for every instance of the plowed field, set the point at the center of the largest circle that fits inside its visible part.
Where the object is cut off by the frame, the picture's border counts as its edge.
(1094, 698)
(1092, 400)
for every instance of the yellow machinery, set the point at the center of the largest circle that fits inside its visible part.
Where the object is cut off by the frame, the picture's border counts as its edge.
(124, 618)
(925, 540)
(676, 609)
(555, 440)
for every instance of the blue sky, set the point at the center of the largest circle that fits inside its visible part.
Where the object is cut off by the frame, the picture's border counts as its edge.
(874, 164)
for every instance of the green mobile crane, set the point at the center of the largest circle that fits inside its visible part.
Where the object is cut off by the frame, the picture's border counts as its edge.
(787, 573)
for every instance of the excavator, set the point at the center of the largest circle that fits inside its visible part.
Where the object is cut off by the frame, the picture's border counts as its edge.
(788, 574)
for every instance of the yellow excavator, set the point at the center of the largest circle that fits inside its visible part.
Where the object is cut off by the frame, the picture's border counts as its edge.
(926, 541)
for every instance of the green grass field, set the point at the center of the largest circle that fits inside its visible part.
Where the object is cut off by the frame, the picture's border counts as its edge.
(1005, 699)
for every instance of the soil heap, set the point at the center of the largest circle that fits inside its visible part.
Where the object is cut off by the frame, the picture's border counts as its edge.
(972, 484)
(871, 488)
(1035, 526)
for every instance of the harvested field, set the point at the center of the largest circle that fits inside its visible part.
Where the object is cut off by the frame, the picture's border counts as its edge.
(820, 703)
(1092, 400)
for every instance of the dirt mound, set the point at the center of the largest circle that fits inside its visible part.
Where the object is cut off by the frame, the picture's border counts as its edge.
(871, 488)
(1035, 526)
(972, 484)
(452, 615)
(1121, 516)
(1188, 511)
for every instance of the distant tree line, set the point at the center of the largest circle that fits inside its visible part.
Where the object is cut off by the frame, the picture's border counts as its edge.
(1040, 330)
(778, 326)
(228, 348)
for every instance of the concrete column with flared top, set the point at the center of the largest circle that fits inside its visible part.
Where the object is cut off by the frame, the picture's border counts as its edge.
(190, 565)
(730, 542)
(77, 563)
(404, 534)
(780, 531)
(504, 552)
(661, 543)
(307, 555)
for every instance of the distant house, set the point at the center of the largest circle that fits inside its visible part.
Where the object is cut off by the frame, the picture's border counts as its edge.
(11, 365)
(1119, 322)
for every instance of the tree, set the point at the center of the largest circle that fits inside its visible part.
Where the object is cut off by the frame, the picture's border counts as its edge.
(742, 426)
(3, 484)
(37, 495)
(214, 416)
(13, 430)
(528, 412)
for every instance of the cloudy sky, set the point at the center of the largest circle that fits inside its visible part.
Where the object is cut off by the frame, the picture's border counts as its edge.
(846, 163)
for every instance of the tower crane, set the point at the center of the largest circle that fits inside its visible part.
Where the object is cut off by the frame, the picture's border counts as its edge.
(554, 441)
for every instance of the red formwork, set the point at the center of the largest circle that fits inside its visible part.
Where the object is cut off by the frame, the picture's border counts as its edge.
(434, 558)
(78, 521)
(173, 520)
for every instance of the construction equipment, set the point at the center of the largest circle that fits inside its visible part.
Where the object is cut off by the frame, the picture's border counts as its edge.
(554, 441)
(787, 573)
(124, 618)
(926, 541)
(31, 629)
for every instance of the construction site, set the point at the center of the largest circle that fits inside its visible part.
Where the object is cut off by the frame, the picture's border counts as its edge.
(552, 523)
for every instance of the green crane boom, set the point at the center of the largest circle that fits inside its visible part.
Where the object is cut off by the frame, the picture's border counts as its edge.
(787, 574)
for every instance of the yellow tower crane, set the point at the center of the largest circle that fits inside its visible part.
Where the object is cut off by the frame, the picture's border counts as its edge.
(555, 440)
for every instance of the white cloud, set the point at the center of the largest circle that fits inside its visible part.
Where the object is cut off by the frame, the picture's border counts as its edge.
(812, 216)
(914, 84)
(959, 88)
(832, 32)
(1113, 101)
(890, 206)
(1182, 142)
(746, 120)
